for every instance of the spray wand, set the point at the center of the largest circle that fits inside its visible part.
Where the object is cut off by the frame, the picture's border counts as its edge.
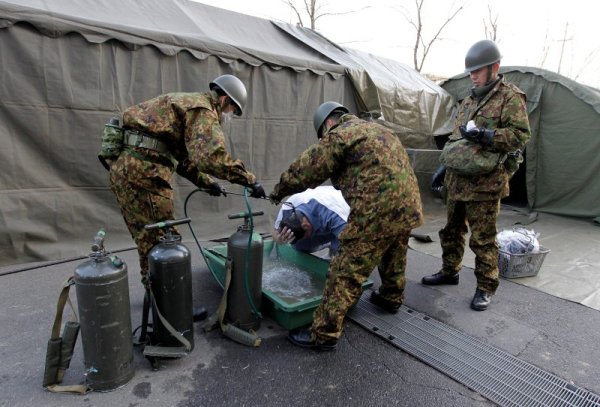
(234, 193)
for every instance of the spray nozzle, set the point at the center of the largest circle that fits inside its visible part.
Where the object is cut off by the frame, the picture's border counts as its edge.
(117, 262)
(98, 244)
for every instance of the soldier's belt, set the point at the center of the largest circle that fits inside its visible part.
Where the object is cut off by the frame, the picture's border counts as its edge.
(136, 138)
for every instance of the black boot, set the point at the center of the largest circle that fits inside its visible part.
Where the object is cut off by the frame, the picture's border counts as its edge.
(481, 300)
(199, 314)
(384, 304)
(302, 337)
(440, 278)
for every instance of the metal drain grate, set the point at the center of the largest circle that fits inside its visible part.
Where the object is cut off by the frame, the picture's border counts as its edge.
(495, 374)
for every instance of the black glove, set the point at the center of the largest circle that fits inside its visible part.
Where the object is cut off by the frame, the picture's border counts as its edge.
(275, 200)
(215, 189)
(437, 180)
(257, 191)
(482, 135)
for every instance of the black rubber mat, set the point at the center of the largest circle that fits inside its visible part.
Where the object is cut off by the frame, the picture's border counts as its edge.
(495, 374)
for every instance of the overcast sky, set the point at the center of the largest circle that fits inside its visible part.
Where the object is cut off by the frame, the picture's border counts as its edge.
(530, 32)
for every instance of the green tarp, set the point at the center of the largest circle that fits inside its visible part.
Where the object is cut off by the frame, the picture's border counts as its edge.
(68, 66)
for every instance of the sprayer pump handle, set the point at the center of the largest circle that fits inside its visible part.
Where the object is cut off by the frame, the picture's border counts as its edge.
(167, 223)
(244, 215)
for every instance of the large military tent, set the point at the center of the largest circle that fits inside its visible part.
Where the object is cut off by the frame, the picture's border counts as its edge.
(68, 66)
(562, 161)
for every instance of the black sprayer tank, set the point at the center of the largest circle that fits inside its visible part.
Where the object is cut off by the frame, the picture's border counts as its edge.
(170, 267)
(103, 300)
(245, 289)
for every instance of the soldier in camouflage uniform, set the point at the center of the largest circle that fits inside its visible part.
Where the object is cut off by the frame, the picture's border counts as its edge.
(174, 132)
(370, 166)
(499, 113)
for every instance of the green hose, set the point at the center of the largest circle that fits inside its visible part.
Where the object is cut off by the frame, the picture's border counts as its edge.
(246, 258)
(196, 239)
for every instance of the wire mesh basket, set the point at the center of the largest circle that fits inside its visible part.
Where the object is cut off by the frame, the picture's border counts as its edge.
(521, 265)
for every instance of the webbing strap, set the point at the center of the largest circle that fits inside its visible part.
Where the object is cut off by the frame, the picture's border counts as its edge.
(137, 138)
(175, 333)
(60, 350)
(63, 298)
(73, 388)
(249, 338)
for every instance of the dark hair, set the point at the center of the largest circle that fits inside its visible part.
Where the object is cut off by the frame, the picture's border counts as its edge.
(336, 114)
(293, 221)
(219, 91)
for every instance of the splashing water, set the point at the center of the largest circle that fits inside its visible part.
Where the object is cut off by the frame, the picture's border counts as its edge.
(290, 282)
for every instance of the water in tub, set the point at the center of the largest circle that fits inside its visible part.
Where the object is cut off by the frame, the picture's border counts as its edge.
(289, 282)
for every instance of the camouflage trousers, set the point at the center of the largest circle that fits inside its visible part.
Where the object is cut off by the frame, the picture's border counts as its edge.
(141, 206)
(480, 217)
(349, 269)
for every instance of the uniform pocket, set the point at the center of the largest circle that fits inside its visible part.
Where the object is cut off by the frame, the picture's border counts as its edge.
(488, 117)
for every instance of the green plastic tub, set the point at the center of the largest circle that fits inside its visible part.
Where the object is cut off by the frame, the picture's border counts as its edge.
(288, 312)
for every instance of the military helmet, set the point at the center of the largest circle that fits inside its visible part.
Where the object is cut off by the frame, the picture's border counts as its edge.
(234, 88)
(482, 53)
(324, 111)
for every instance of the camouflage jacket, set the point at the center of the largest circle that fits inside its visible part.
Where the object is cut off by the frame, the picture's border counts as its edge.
(189, 124)
(370, 166)
(502, 109)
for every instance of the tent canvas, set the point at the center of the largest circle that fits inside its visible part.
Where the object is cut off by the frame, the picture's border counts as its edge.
(562, 162)
(67, 67)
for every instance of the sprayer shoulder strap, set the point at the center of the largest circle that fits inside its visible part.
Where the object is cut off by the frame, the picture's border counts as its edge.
(60, 349)
(63, 298)
(176, 334)
(229, 330)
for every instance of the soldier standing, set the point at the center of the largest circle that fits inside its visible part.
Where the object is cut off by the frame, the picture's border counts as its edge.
(498, 111)
(370, 166)
(174, 132)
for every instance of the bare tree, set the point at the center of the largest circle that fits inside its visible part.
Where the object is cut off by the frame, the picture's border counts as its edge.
(587, 61)
(545, 50)
(491, 25)
(422, 47)
(311, 8)
(562, 48)
(314, 9)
